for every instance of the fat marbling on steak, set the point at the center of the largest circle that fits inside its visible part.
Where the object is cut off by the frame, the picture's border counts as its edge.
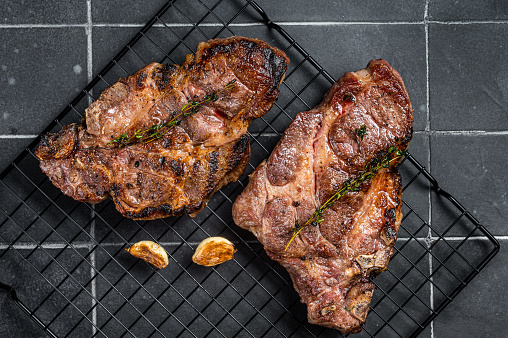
(362, 116)
(179, 172)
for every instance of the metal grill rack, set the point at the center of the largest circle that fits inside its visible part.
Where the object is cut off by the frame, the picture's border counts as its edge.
(85, 284)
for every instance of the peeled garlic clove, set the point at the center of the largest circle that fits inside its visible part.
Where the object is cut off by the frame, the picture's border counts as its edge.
(150, 252)
(213, 251)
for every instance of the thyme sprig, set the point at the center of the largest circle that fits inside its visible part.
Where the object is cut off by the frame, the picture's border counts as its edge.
(370, 170)
(158, 130)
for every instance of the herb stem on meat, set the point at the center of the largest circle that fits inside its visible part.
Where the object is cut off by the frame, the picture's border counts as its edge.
(157, 131)
(370, 170)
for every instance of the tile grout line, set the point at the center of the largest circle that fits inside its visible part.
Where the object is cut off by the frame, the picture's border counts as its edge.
(87, 245)
(467, 22)
(17, 136)
(89, 43)
(350, 23)
(89, 66)
(463, 132)
(250, 24)
(427, 136)
(345, 23)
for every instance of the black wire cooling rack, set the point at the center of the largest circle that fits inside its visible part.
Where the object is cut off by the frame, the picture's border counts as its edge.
(84, 284)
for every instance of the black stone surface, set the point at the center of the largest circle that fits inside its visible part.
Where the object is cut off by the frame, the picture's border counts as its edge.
(468, 76)
(42, 70)
(468, 164)
(462, 138)
(450, 10)
(11, 147)
(118, 11)
(478, 311)
(344, 11)
(43, 12)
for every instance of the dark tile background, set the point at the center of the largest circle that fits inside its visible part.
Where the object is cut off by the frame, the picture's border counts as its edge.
(451, 10)
(42, 69)
(468, 93)
(43, 12)
(43, 60)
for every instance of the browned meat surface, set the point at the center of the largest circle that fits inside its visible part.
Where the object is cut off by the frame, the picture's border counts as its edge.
(179, 172)
(330, 262)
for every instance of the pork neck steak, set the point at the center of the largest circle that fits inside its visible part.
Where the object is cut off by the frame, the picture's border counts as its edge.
(363, 117)
(178, 172)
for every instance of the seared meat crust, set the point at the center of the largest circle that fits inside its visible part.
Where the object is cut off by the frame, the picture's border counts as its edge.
(178, 173)
(330, 262)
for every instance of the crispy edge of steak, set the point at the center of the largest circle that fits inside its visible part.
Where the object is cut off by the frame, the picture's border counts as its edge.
(274, 61)
(331, 275)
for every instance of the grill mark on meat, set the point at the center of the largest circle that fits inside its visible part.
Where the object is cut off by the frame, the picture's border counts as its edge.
(177, 167)
(238, 151)
(213, 166)
(180, 172)
(213, 162)
(240, 147)
(390, 215)
(219, 49)
(330, 263)
(273, 63)
(115, 189)
(140, 80)
(161, 209)
(163, 77)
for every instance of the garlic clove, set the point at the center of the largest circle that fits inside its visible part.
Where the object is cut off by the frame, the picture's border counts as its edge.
(150, 252)
(213, 251)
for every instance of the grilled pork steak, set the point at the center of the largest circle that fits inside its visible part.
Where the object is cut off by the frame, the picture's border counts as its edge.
(363, 117)
(179, 172)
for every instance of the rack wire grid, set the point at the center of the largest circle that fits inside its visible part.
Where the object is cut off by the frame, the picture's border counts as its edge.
(87, 285)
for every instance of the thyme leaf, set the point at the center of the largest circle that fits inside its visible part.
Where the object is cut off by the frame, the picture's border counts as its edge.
(157, 131)
(361, 132)
(370, 170)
